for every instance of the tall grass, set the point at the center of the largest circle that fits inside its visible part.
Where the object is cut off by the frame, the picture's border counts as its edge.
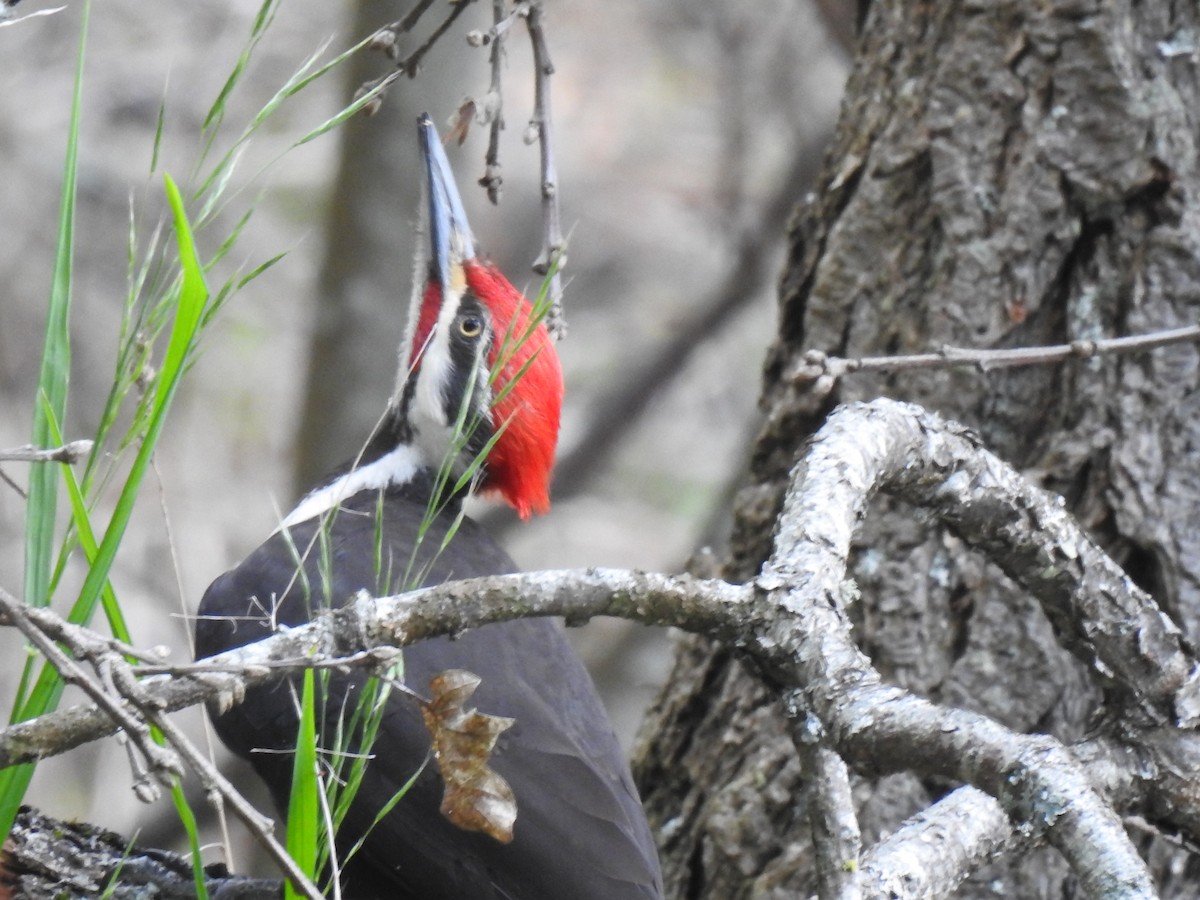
(178, 282)
(174, 294)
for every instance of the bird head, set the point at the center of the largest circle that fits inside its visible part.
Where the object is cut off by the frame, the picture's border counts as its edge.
(479, 379)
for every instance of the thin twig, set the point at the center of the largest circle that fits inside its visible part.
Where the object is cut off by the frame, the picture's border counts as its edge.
(258, 825)
(12, 484)
(83, 641)
(414, 15)
(68, 453)
(162, 762)
(815, 366)
(493, 107)
(554, 246)
(335, 868)
(411, 63)
(219, 806)
(501, 23)
(621, 406)
(387, 39)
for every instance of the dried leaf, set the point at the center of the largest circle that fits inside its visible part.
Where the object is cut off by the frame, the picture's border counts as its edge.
(476, 798)
(460, 123)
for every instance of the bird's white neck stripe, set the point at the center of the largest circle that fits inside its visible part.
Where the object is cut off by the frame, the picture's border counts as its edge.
(396, 467)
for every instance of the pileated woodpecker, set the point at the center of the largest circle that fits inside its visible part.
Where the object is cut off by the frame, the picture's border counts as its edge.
(474, 354)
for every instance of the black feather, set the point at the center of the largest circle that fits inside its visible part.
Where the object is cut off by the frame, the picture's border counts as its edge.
(580, 832)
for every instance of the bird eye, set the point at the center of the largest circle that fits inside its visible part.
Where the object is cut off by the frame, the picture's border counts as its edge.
(470, 326)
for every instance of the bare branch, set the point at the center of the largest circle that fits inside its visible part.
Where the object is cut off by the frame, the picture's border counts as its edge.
(68, 453)
(888, 445)
(553, 255)
(932, 853)
(1097, 611)
(817, 368)
(386, 37)
(501, 20)
(120, 692)
(493, 107)
(791, 623)
(359, 631)
(163, 763)
(412, 62)
(409, 22)
(836, 835)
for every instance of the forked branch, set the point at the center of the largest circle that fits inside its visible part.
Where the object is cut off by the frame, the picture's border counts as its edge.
(791, 624)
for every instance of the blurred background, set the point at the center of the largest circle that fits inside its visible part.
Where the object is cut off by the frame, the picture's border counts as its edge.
(685, 133)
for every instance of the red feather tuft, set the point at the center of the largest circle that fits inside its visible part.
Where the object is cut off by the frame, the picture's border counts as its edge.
(519, 466)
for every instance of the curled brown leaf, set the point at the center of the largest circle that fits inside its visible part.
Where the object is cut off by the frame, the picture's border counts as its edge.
(476, 798)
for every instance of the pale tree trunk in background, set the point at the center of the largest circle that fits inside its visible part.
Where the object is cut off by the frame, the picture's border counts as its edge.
(1004, 174)
(368, 252)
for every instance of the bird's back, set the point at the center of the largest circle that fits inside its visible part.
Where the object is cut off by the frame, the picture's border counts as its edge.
(580, 832)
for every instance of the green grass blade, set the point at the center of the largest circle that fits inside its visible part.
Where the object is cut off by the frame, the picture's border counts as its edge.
(304, 811)
(158, 132)
(387, 808)
(191, 298)
(56, 362)
(52, 393)
(188, 818)
(87, 541)
(348, 111)
(266, 12)
(335, 121)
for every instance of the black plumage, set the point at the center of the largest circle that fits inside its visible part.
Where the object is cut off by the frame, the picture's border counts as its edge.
(580, 833)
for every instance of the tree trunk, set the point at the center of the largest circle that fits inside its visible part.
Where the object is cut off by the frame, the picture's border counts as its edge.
(1004, 174)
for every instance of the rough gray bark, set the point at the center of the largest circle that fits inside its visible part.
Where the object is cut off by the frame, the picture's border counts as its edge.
(1004, 174)
(48, 859)
(792, 621)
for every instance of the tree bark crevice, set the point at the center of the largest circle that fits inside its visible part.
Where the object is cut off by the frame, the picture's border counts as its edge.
(1002, 174)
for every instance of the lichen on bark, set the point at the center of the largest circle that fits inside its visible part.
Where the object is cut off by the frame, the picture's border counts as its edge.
(1003, 174)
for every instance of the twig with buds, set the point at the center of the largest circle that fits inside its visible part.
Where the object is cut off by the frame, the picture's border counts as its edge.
(493, 107)
(541, 128)
(552, 256)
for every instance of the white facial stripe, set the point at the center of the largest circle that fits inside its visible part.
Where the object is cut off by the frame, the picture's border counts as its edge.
(397, 467)
(434, 373)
